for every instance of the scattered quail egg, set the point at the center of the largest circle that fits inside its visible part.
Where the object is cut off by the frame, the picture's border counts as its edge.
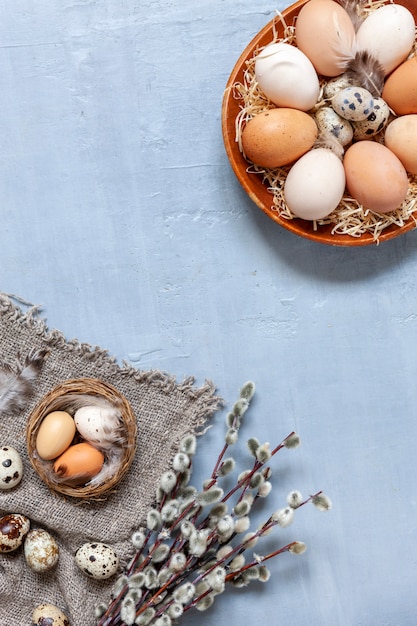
(41, 550)
(11, 468)
(374, 123)
(97, 560)
(49, 615)
(329, 122)
(13, 528)
(353, 103)
(333, 86)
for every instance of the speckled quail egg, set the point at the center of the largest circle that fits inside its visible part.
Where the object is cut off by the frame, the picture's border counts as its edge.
(329, 122)
(333, 86)
(374, 123)
(97, 560)
(41, 550)
(49, 615)
(13, 529)
(353, 103)
(11, 468)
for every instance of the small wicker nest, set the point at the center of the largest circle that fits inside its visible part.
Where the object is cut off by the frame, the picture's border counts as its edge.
(57, 400)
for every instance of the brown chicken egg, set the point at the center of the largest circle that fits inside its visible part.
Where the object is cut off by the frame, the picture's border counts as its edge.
(400, 89)
(401, 139)
(278, 137)
(326, 35)
(79, 463)
(375, 177)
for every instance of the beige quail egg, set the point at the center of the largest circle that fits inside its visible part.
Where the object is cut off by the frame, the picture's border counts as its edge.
(374, 123)
(97, 560)
(49, 614)
(353, 103)
(329, 122)
(41, 550)
(11, 468)
(333, 86)
(13, 529)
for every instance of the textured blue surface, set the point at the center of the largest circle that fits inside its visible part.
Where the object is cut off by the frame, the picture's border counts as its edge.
(121, 217)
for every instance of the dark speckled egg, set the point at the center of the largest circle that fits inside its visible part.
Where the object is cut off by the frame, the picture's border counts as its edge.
(13, 529)
(11, 468)
(49, 615)
(97, 560)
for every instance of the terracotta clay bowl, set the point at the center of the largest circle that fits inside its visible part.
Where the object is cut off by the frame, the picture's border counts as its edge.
(252, 182)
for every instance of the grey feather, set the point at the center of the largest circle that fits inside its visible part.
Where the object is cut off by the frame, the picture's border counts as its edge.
(351, 7)
(17, 381)
(366, 71)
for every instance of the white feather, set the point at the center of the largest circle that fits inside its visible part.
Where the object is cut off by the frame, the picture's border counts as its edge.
(342, 46)
(111, 466)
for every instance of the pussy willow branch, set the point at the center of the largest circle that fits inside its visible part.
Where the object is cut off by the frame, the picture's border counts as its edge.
(110, 619)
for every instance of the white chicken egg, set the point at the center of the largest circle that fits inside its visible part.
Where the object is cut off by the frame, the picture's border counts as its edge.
(388, 34)
(315, 184)
(287, 77)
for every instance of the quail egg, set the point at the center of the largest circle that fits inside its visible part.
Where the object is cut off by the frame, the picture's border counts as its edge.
(97, 560)
(374, 123)
(41, 550)
(333, 86)
(13, 529)
(49, 615)
(353, 103)
(329, 122)
(11, 468)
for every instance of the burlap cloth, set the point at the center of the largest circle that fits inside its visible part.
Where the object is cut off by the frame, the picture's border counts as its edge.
(165, 411)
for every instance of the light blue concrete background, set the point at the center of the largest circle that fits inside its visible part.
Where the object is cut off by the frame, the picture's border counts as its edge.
(122, 218)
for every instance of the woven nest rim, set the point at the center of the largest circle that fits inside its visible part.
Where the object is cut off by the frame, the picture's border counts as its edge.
(56, 397)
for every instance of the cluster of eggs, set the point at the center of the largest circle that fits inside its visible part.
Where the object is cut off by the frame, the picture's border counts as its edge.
(40, 549)
(66, 441)
(327, 128)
